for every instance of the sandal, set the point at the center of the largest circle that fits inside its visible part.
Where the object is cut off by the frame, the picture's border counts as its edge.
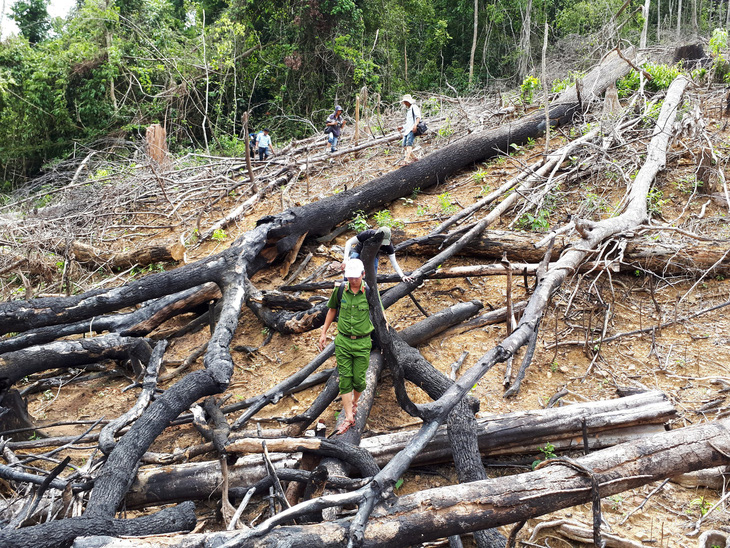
(354, 410)
(344, 427)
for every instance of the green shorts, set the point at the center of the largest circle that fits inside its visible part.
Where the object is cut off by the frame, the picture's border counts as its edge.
(353, 358)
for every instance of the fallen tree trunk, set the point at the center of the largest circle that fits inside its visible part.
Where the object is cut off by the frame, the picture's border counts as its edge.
(662, 257)
(440, 274)
(458, 509)
(523, 432)
(607, 423)
(21, 363)
(138, 323)
(272, 238)
(98, 258)
(434, 414)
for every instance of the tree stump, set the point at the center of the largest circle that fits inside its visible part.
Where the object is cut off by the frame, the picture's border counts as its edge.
(157, 145)
(611, 104)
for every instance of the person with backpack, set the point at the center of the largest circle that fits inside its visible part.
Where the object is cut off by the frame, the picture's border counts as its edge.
(410, 128)
(333, 128)
(263, 143)
(353, 248)
(252, 144)
(352, 343)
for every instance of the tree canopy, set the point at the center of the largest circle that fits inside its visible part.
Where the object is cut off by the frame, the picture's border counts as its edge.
(113, 67)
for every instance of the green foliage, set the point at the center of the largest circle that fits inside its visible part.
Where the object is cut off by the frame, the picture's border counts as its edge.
(595, 203)
(535, 223)
(447, 206)
(32, 19)
(359, 221)
(655, 201)
(527, 89)
(548, 452)
(586, 16)
(662, 77)
(718, 42)
(399, 483)
(113, 68)
(385, 218)
(699, 504)
(560, 85)
(219, 235)
(688, 184)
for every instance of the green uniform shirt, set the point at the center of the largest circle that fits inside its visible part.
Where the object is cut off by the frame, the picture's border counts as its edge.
(354, 318)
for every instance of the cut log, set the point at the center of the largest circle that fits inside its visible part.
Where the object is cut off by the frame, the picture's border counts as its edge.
(646, 254)
(458, 509)
(16, 365)
(98, 258)
(607, 423)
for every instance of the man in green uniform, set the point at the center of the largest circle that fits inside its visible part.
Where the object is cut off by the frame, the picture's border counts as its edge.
(352, 343)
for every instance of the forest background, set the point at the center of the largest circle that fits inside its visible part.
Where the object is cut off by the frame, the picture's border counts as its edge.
(111, 68)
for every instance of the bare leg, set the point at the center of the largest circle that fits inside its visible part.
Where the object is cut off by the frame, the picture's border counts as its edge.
(355, 397)
(409, 154)
(347, 406)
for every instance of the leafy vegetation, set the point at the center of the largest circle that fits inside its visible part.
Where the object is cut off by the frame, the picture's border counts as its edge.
(196, 66)
(359, 221)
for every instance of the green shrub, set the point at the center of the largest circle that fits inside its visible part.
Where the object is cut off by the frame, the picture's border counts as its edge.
(527, 89)
(359, 221)
(662, 77)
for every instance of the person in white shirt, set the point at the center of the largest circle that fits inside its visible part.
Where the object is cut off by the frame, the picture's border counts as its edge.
(413, 116)
(263, 142)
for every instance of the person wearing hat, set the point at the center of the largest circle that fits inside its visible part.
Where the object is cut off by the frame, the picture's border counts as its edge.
(413, 116)
(263, 142)
(335, 123)
(352, 343)
(353, 249)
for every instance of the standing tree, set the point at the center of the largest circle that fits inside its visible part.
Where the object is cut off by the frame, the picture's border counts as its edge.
(32, 19)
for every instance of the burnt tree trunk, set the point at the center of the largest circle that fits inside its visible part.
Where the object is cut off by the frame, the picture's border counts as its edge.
(607, 423)
(646, 254)
(457, 509)
(271, 239)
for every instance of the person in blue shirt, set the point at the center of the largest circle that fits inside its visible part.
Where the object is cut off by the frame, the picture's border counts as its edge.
(335, 123)
(263, 142)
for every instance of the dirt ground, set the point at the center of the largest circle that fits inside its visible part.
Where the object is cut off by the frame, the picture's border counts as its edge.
(690, 362)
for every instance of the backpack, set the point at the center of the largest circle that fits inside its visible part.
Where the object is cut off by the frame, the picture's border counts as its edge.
(421, 127)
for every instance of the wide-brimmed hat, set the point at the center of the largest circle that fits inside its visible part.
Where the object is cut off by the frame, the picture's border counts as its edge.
(338, 107)
(385, 230)
(354, 268)
(407, 98)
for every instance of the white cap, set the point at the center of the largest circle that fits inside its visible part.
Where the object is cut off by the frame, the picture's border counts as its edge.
(354, 268)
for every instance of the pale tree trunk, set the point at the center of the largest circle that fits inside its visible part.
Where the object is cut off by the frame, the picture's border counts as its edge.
(524, 59)
(695, 26)
(108, 43)
(545, 90)
(474, 41)
(642, 43)
(658, 20)
(679, 18)
(727, 15)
